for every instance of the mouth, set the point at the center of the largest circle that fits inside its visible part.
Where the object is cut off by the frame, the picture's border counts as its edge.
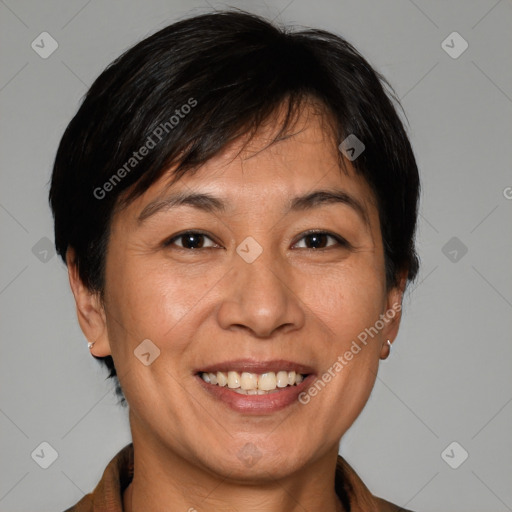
(255, 387)
(248, 383)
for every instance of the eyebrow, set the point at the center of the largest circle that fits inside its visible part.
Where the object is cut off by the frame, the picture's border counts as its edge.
(211, 204)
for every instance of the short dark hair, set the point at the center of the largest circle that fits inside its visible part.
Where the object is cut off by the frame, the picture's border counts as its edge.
(206, 81)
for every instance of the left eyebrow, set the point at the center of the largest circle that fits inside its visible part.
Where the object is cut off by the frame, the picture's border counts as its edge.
(318, 198)
(211, 204)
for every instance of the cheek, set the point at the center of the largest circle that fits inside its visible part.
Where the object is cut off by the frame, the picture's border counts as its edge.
(156, 301)
(345, 304)
(347, 300)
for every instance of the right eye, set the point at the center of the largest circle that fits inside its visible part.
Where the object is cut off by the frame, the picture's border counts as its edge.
(190, 240)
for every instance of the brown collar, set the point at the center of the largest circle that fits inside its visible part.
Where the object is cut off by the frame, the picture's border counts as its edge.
(108, 494)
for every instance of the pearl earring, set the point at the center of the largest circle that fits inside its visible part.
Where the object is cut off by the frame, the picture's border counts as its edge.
(388, 350)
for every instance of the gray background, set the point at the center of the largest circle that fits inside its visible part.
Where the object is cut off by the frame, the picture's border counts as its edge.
(449, 375)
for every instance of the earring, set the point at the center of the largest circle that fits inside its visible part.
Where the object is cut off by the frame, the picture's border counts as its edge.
(90, 344)
(387, 346)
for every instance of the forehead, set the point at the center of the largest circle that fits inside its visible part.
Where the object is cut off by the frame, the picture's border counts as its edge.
(263, 169)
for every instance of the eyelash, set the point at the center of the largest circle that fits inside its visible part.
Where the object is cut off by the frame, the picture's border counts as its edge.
(340, 242)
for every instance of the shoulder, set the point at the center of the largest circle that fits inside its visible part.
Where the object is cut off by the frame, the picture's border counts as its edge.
(84, 505)
(387, 506)
(354, 494)
(108, 493)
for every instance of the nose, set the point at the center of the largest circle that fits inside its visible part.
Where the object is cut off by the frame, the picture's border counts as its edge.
(260, 297)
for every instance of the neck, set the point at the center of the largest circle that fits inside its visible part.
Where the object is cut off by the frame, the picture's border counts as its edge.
(251, 501)
(162, 478)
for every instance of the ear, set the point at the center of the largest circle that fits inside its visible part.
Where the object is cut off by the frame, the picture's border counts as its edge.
(392, 314)
(89, 309)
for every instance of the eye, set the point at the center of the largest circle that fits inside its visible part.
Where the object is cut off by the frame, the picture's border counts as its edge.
(319, 240)
(191, 240)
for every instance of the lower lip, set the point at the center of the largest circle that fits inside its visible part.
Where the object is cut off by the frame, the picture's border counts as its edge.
(257, 404)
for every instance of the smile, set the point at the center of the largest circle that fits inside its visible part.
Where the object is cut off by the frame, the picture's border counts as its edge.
(252, 386)
(247, 383)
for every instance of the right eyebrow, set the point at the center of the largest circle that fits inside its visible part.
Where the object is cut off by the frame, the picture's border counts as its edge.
(205, 202)
(212, 204)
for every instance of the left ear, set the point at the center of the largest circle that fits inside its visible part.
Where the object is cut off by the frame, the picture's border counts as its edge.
(392, 314)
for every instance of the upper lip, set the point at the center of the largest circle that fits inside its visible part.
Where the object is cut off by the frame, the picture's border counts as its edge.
(256, 366)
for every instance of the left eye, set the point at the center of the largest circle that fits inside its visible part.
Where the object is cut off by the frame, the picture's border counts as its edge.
(316, 240)
(319, 240)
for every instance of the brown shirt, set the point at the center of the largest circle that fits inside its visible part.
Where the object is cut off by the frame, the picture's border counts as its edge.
(108, 494)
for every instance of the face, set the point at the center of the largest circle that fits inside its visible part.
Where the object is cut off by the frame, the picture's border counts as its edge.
(263, 275)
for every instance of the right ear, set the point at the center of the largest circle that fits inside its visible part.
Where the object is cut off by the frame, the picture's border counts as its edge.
(89, 309)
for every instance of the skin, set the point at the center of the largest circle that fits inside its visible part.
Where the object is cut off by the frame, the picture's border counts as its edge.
(207, 305)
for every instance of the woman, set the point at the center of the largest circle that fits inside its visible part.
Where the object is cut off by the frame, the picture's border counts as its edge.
(236, 204)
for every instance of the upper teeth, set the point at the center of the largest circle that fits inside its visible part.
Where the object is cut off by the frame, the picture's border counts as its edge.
(252, 381)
